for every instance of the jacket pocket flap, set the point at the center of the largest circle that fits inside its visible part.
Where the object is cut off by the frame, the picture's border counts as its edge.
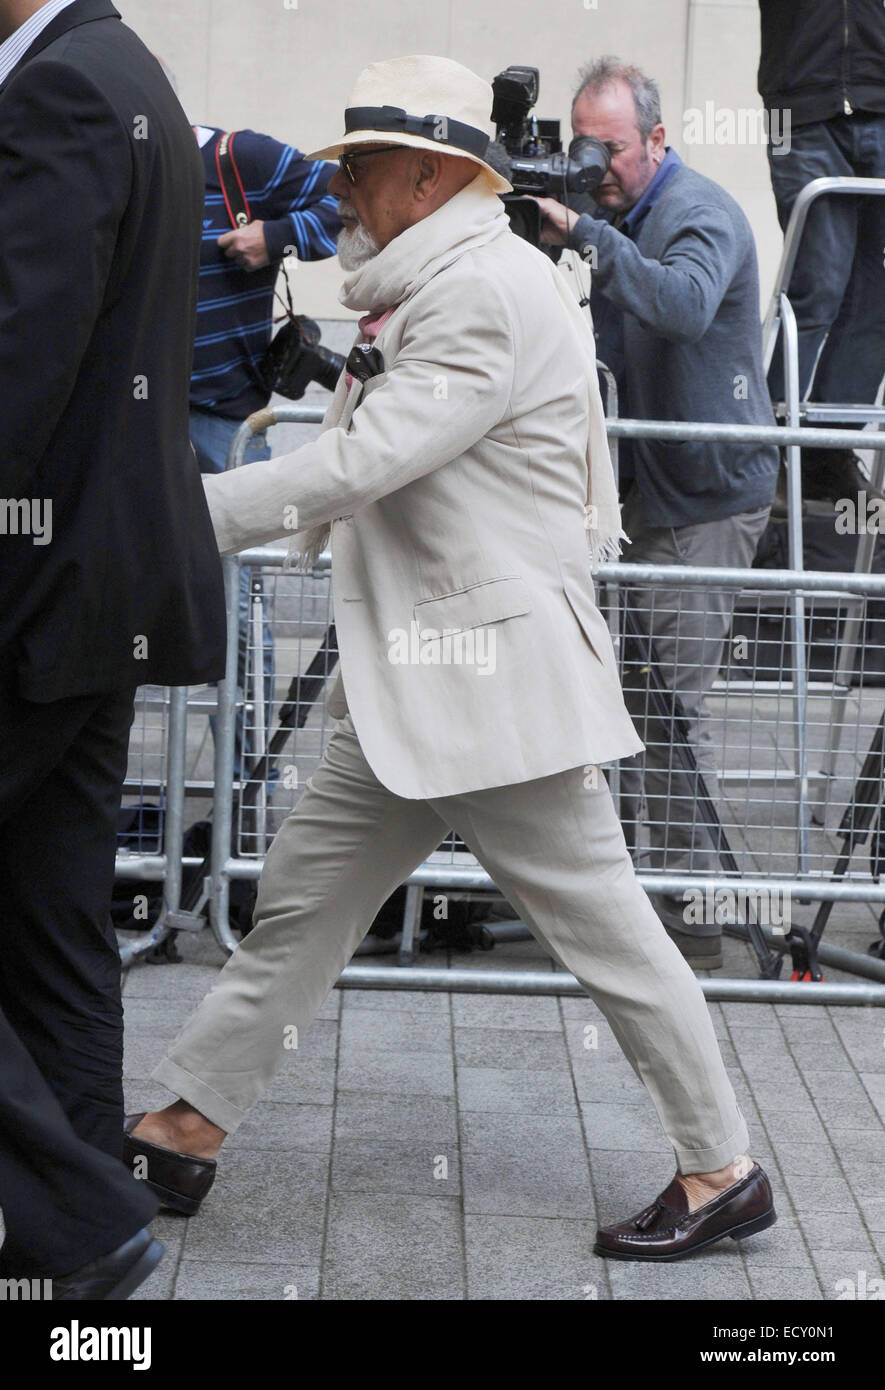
(488, 602)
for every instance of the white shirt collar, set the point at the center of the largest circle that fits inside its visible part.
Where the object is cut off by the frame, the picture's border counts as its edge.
(204, 134)
(21, 39)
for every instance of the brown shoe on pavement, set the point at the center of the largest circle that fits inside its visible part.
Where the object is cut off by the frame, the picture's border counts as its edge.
(667, 1230)
(180, 1180)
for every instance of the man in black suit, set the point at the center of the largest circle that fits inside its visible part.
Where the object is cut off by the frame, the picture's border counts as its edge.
(109, 578)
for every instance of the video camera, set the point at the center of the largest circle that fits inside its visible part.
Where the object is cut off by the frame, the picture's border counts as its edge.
(532, 157)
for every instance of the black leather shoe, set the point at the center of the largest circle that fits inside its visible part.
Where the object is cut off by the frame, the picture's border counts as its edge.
(181, 1181)
(667, 1230)
(114, 1276)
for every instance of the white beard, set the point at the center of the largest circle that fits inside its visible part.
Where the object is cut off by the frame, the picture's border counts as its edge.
(355, 246)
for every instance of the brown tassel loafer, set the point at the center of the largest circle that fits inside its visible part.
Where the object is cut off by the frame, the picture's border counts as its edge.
(667, 1230)
(181, 1181)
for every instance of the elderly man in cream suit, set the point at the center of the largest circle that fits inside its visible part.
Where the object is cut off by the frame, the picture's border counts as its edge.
(467, 487)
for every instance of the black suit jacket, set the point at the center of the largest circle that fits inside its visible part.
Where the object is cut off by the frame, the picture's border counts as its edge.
(101, 198)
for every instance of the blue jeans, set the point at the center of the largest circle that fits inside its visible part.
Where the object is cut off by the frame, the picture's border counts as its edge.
(838, 285)
(211, 436)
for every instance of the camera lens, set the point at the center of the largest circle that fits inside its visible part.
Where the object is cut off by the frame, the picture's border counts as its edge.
(593, 159)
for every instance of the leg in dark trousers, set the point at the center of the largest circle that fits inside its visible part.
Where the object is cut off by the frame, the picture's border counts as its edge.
(61, 772)
(64, 1203)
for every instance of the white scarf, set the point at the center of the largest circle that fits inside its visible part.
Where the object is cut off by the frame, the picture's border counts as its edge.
(473, 217)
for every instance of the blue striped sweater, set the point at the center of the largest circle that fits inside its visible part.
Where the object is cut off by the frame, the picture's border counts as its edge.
(235, 307)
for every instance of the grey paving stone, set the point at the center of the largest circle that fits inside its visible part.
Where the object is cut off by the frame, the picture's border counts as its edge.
(285, 1128)
(812, 1159)
(319, 1040)
(706, 1276)
(405, 1117)
(872, 1209)
(394, 1001)
(520, 1258)
(812, 1031)
(609, 1125)
(187, 981)
(265, 1208)
(581, 1008)
(812, 1195)
(307, 1079)
(372, 1030)
(393, 1247)
(756, 1036)
(523, 1011)
(515, 1185)
(847, 1112)
(834, 1267)
(238, 1282)
(749, 1015)
(837, 1230)
(537, 1135)
(398, 1073)
(789, 1285)
(874, 1084)
(601, 1082)
(157, 1017)
(782, 1246)
(772, 1097)
(406, 1167)
(523, 1092)
(844, 1084)
(509, 1047)
(795, 1126)
(864, 1048)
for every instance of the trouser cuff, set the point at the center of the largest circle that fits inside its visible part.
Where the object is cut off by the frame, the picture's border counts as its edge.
(201, 1096)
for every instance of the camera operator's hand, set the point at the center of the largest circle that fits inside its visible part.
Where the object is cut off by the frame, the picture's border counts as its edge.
(246, 246)
(556, 221)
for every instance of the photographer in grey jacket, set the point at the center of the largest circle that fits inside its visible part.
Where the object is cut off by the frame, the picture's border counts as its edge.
(675, 305)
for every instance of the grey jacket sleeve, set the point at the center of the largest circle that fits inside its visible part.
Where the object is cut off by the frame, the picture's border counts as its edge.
(676, 296)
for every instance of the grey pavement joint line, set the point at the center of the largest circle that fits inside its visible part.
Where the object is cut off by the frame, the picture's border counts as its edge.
(459, 1147)
(330, 1169)
(563, 1023)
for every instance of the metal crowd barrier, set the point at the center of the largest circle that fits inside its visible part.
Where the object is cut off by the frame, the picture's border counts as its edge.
(767, 807)
(153, 803)
(299, 607)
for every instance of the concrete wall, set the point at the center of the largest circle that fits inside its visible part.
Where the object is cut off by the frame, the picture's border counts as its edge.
(287, 67)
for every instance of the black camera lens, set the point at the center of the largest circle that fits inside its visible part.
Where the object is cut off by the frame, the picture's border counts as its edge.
(593, 159)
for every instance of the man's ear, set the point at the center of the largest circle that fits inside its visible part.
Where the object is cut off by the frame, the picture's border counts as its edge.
(427, 174)
(657, 141)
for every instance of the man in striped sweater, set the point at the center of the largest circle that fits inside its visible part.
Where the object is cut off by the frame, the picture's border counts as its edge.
(291, 213)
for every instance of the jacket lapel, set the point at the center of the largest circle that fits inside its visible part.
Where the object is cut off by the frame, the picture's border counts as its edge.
(81, 12)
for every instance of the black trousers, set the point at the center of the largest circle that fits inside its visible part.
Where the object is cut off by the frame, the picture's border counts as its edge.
(65, 1195)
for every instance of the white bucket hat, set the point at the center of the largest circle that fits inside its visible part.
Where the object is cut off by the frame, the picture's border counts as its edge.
(388, 97)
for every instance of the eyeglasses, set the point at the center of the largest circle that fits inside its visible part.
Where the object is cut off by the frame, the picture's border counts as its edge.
(345, 161)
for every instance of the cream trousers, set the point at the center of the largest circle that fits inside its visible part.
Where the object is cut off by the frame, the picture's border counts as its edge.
(555, 849)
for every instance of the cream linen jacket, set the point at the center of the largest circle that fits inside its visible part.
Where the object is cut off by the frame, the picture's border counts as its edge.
(455, 483)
